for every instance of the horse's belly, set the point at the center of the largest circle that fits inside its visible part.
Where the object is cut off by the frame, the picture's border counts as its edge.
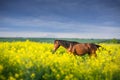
(81, 50)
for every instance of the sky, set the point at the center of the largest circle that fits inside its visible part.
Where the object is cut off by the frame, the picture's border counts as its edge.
(99, 19)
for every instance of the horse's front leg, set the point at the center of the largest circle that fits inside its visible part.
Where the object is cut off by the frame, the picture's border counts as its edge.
(71, 50)
(70, 47)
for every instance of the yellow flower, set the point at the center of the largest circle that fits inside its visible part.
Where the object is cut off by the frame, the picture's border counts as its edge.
(11, 78)
(1, 68)
(25, 56)
(32, 75)
(16, 75)
(58, 76)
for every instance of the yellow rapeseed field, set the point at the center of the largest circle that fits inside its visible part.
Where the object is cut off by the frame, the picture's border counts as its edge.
(35, 61)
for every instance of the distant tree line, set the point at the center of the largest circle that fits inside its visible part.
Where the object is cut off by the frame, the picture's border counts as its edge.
(114, 40)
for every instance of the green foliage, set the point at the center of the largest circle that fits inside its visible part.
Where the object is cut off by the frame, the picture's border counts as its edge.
(51, 40)
(114, 41)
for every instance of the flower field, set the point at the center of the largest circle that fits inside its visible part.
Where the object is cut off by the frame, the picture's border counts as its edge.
(34, 61)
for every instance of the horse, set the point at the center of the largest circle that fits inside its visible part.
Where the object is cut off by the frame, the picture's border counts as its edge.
(77, 48)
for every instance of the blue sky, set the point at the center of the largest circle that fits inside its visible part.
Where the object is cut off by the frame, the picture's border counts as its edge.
(60, 18)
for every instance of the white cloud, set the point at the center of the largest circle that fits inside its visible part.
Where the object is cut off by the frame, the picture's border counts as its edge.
(59, 35)
(67, 29)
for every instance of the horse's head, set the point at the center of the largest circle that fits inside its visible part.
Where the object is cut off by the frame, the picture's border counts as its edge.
(56, 45)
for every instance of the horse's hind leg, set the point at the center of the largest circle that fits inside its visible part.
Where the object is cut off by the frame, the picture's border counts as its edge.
(93, 53)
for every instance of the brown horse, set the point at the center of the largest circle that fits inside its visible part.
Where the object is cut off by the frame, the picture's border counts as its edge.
(77, 48)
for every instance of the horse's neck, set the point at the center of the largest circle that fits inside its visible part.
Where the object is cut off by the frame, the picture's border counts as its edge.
(65, 45)
(70, 47)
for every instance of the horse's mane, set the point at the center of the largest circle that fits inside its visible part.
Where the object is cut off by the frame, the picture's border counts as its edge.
(65, 43)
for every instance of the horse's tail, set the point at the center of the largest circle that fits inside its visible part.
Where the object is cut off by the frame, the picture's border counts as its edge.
(103, 48)
(97, 45)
